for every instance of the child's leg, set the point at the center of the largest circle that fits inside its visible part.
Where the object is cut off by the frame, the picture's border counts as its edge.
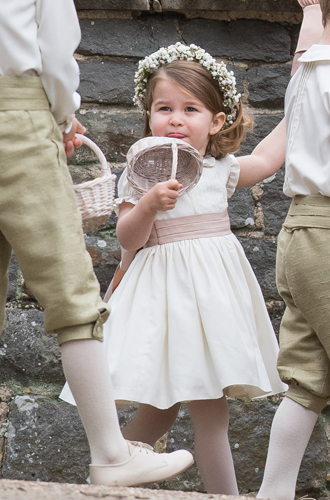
(86, 370)
(291, 429)
(212, 450)
(150, 423)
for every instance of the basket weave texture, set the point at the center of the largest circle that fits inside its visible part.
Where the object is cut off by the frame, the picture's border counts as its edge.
(158, 159)
(95, 198)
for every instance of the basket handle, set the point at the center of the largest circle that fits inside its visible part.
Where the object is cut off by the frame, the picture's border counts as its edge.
(104, 163)
(174, 159)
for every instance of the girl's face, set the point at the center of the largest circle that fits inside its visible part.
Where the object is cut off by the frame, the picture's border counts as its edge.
(176, 113)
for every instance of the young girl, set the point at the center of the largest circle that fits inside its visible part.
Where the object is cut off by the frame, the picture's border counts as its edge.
(188, 321)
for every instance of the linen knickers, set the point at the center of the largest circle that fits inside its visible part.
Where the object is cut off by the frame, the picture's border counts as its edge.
(303, 280)
(39, 218)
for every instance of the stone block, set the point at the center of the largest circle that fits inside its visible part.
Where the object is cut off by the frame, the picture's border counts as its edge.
(267, 85)
(108, 252)
(45, 442)
(274, 203)
(263, 124)
(261, 254)
(45, 438)
(241, 209)
(113, 130)
(240, 40)
(249, 431)
(143, 5)
(126, 37)
(107, 81)
(26, 351)
(28, 490)
(240, 75)
(234, 5)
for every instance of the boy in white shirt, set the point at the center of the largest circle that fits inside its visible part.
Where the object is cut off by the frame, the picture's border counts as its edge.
(303, 271)
(40, 221)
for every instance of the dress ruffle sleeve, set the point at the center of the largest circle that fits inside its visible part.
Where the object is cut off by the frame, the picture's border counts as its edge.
(125, 192)
(233, 176)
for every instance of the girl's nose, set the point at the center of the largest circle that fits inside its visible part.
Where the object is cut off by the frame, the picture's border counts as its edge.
(176, 119)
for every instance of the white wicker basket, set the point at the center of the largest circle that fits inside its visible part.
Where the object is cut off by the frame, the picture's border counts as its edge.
(95, 198)
(158, 159)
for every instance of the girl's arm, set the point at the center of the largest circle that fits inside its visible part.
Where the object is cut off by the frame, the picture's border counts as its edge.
(135, 221)
(266, 159)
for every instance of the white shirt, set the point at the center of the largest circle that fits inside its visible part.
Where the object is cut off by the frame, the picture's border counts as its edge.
(307, 111)
(39, 37)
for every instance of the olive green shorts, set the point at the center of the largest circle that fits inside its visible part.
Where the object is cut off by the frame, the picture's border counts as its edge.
(39, 218)
(303, 280)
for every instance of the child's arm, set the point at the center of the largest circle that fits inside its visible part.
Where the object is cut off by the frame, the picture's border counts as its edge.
(265, 159)
(135, 221)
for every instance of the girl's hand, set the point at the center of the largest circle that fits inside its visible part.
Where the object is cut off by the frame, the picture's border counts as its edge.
(163, 196)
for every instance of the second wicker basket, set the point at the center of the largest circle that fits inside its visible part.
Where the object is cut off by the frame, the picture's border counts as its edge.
(95, 198)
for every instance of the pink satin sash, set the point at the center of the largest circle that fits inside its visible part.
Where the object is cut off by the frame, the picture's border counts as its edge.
(188, 228)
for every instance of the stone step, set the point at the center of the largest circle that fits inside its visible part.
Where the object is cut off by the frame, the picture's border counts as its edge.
(26, 490)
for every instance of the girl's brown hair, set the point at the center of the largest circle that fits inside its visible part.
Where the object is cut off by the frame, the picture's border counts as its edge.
(325, 8)
(198, 81)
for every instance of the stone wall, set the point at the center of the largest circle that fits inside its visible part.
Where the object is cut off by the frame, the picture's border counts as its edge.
(41, 437)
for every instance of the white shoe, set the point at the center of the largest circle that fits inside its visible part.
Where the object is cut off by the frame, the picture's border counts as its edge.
(144, 466)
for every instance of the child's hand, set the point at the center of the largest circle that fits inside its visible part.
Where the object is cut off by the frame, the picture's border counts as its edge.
(163, 196)
(70, 141)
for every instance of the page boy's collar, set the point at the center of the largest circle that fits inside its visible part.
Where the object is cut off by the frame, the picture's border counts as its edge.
(315, 53)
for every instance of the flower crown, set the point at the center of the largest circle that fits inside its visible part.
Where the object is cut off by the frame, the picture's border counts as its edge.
(226, 79)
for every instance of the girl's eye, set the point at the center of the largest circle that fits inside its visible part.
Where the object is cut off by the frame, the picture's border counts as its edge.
(165, 108)
(190, 109)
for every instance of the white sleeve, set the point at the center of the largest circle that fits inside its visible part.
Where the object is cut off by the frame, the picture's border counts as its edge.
(58, 37)
(125, 192)
(233, 176)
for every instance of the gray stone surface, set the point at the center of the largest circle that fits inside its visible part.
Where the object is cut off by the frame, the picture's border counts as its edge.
(267, 85)
(262, 255)
(250, 428)
(240, 75)
(107, 81)
(113, 130)
(26, 351)
(45, 442)
(24, 490)
(274, 203)
(106, 256)
(143, 5)
(241, 209)
(126, 37)
(240, 40)
(45, 438)
(264, 123)
(236, 5)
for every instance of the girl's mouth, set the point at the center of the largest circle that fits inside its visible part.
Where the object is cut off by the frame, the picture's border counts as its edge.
(176, 135)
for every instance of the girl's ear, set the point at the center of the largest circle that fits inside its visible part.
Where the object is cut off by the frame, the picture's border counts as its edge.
(217, 123)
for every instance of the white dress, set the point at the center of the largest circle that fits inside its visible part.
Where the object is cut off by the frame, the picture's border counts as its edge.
(188, 321)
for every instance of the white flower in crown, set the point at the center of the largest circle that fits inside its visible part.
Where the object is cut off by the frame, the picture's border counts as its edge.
(219, 71)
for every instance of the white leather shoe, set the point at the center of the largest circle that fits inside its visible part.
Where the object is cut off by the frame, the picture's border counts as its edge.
(144, 466)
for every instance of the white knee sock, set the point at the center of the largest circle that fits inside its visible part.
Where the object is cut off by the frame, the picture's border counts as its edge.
(86, 370)
(291, 430)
